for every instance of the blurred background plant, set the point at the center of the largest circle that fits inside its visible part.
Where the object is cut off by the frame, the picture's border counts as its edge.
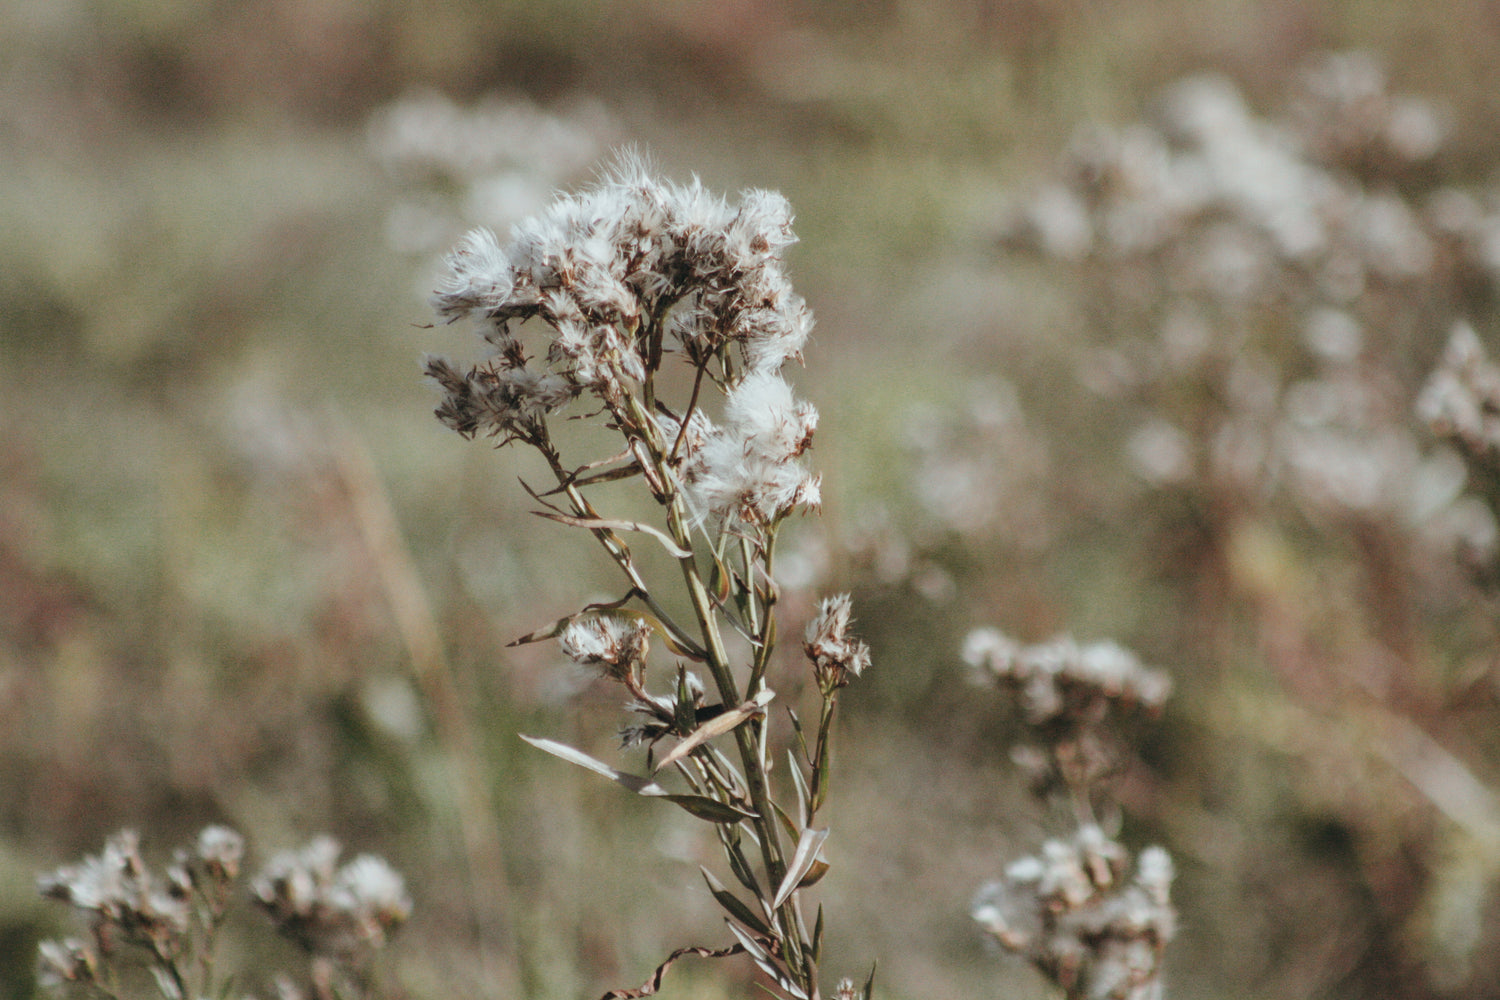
(1069, 908)
(245, 579)
(164, 929)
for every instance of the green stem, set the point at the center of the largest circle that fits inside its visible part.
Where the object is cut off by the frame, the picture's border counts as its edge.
(765, 630)
(750, 741)
(750, 738)
(823, 748)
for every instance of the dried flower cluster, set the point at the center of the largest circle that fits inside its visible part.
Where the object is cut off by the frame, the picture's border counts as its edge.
(617, 644)
(1264, 292)
(621, 274)
(1462, 398)
(174, 920)
(1252, 201)
(1283, 270)
(1063, 679)
(332, 910)
(1461, 404)
(585, 310)
(837, 657)
(1071, 911)
(129, 906)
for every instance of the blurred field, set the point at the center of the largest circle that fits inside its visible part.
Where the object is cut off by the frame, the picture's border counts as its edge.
(245, 577)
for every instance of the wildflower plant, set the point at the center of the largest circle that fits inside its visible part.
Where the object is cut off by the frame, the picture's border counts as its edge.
(1072, 909)
(340, 915)
(171, 923)
(631, 305)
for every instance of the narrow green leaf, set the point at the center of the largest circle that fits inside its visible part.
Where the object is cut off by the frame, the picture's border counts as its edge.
(820, 776)
(639, 785)
(606, 476)
(800, 784)
(719, 580)
(869, 993)
(609, 524)
(817, 941)
(550, 632)
(684, 711)
(753, 948)
(792, 829)
(729, 836)
(674, 643)
(735, 905)
(710, 809)
(699, 805)
(815, 873)
(767, 964)
(797, 728)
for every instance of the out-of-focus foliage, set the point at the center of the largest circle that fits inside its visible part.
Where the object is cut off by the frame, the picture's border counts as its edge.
(246, 578)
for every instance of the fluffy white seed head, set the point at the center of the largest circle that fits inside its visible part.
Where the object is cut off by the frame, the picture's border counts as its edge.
(479, 276)
(327, 909)
(614, 643)
(762, 412)
(837, 657)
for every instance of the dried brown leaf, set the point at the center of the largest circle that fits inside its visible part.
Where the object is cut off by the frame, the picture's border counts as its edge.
(718, 726)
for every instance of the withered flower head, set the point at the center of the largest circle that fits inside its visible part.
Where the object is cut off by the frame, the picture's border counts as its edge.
(221, 850)
(60, 963)
(1071, 911)
(836, 656)
(1063, 680)
(614, 643)
(327, 910)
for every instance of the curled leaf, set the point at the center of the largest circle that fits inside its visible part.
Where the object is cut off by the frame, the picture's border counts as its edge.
(608, 524)
(651, 986)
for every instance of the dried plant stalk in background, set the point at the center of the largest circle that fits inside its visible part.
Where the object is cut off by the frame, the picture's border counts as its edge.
(587, 304)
